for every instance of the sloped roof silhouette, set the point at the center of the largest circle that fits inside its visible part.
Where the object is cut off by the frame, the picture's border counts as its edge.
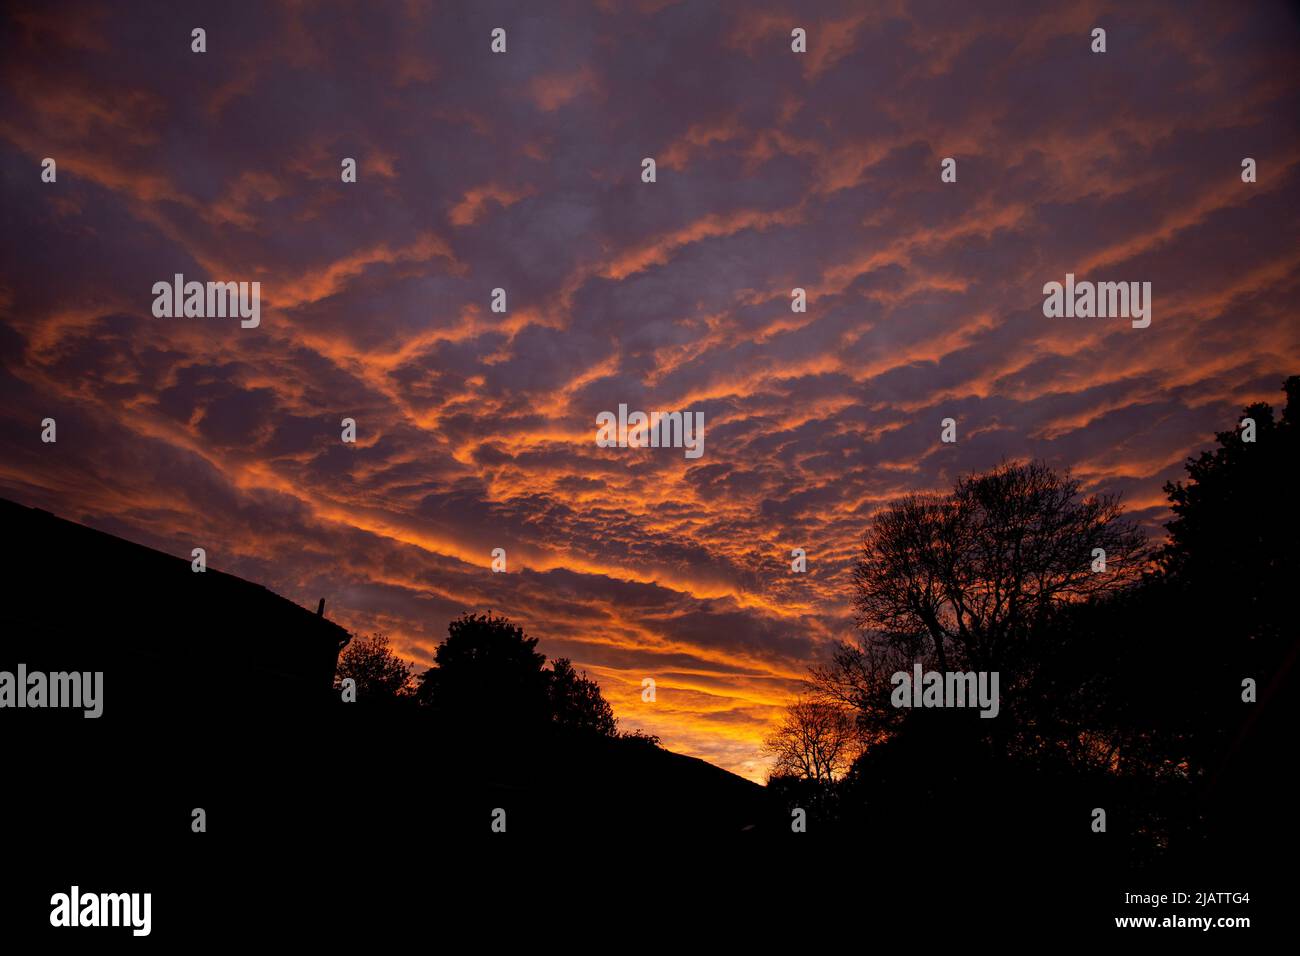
(82, 598)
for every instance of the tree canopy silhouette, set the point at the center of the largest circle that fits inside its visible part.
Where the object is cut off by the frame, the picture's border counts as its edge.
(490, 676)
(975, 580)
(379, 673)
(1127, 682)
(977, 571)
(577, 703)
(1231, 547)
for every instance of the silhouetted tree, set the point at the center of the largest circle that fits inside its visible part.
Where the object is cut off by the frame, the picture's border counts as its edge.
(1232, 541)
(858, 676)
(576, 702)
(488, 674)
(1120, 687)
(379, 673)
(979, 570)
(817, 740)
(1149, 684)
(1230, 570)
(972, 580)
(641, 737)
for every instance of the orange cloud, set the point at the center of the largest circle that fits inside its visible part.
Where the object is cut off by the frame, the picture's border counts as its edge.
(550, 91)
(475, 201)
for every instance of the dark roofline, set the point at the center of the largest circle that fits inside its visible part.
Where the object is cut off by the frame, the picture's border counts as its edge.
(228, 586)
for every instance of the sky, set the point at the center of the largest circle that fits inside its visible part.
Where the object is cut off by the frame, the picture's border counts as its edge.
(522, 171)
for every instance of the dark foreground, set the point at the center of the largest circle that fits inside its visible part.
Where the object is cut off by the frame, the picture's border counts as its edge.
(328, 822)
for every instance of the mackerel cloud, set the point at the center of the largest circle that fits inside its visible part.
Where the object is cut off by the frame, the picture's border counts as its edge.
(522, 172)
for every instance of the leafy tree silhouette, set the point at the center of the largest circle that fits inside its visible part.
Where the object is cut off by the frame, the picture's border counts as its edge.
(379, 673)
(577, 703)
(1218, 612)
(1230, 572)
(490, 677)
(1231, 548)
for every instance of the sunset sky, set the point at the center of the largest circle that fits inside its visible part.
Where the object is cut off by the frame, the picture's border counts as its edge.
(522, 170)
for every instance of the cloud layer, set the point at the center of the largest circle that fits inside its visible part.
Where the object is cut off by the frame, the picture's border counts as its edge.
(522, 171)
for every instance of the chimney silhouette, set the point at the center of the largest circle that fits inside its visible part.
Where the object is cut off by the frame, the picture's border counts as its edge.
(320, 608)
